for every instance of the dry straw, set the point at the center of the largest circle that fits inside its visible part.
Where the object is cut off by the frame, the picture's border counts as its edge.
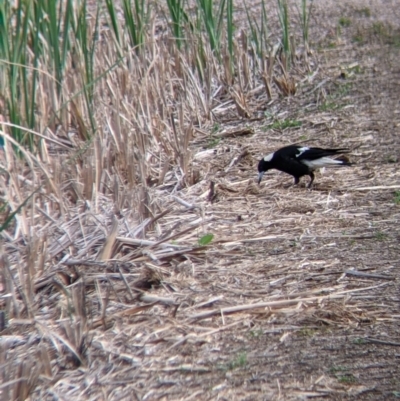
(143, 144)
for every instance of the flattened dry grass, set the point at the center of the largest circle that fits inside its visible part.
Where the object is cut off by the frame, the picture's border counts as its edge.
(106, 291)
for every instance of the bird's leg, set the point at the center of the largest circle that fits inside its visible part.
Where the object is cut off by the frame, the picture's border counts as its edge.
(296, 180)
(312, 176)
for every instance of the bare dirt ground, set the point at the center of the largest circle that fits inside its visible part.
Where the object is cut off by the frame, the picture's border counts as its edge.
(297, 296)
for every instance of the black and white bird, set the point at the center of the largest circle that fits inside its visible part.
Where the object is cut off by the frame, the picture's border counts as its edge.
(301, 160)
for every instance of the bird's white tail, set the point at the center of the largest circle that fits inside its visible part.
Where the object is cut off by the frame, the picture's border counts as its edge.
(322, 162)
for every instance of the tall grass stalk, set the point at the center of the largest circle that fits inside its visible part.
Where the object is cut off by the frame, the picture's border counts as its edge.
(54, 23)
(230, 29)
(178, 18)
(34, 37)
(86, 40)
(259, 31)
(283, 14)
(305, 15)
(212, 19)
(15, 76)
(136, 17)
(112, 14)
(136, 21)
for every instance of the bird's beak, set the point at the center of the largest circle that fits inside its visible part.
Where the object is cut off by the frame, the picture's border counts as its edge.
(260, 176)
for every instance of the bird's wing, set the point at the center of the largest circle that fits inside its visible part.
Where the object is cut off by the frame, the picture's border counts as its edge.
(318, 153)
(289, 164)
(290, 152)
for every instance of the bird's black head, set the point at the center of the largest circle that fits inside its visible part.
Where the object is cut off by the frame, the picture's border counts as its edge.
(263, 166)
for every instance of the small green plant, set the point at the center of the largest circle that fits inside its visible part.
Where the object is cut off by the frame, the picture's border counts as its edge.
(397, 198)
(379, 29)
(306, 332)
(332, 101)
(347, 379)
(396, 40)
(343, 90)
(358, 37)
(392, 159)
(213, 142)
(256, 333)
(205, 239)
(283, 124)
(386, 33)
(380, 236)
(215, 128)
(344, 22)
(239, 362)
(327, 106)
(338, 368)
(364, 12)
(359, 341)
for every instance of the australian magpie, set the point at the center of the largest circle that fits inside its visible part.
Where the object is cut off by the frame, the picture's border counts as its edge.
(301, 160)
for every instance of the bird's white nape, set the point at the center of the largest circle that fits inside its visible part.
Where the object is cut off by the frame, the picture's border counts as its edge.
(269, 157)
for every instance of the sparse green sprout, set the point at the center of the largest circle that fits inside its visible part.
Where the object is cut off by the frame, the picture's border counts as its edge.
(213, 142)
(338, 368)
(283, 124)
(347, 379)
(397, 198)
(358, 37)
(359, 341)
(344, 22)
(365, 12)
(379, 29)
(205, 239)
(327, 106)
(332, 102)
(239, 361)
(380, 236)
(396, 40)
(306, 332)
(215, 128)
(256, 333)
(343, 90)
(386, 33)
